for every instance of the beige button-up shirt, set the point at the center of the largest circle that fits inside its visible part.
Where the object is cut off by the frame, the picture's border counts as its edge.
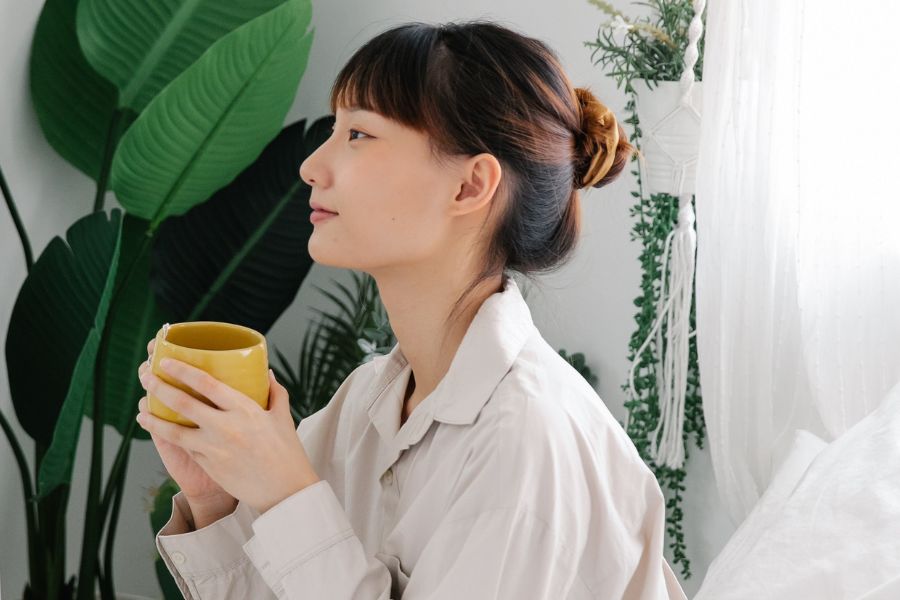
(510, 481)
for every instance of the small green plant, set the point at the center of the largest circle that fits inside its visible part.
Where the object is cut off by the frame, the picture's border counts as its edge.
(577, 361)
(335, 344)
(640, 49)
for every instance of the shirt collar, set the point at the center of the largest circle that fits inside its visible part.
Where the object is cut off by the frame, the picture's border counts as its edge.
(495, 337)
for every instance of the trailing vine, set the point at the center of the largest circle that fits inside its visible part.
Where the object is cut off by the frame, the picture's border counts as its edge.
(654, 52)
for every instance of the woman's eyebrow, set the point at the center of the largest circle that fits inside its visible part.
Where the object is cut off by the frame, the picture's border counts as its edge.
(353, 109)
(369, 116)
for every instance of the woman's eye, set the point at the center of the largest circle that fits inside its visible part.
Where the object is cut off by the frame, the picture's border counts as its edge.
(352, 131)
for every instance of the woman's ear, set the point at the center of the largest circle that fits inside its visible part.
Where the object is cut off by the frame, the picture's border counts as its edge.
(480, 178)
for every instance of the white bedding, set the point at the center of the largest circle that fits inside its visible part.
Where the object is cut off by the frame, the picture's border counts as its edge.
(828, 526)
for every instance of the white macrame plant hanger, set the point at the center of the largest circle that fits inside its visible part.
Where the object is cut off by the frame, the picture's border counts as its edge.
(673, 161)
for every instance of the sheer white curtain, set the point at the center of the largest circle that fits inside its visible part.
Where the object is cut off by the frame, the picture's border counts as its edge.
(798, 232)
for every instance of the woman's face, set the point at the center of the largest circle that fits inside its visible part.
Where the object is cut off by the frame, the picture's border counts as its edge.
(395, 204)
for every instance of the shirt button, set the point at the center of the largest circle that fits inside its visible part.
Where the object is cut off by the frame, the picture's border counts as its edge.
(389, 476)
(178, 558)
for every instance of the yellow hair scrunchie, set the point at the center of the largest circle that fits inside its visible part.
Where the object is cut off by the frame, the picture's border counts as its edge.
(599, 125)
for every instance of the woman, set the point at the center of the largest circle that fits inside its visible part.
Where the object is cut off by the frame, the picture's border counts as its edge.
(472, 461)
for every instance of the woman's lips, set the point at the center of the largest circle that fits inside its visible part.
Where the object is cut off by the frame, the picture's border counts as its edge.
(317, 216)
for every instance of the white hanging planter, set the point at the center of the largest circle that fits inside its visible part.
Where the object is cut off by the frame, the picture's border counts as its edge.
(670, 136)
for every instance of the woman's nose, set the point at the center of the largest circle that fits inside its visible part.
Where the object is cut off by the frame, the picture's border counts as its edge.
(305, 173)
(312, 170)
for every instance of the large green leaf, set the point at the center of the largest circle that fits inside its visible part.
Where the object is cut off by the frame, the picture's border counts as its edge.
(73, 103)
(54, 335)
(56, 467)
(214, 118)
(141, 46)
(135, 319)
(242, 255)
(60, 303)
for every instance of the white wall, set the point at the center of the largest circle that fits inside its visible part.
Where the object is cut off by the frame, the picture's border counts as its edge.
(586, 307)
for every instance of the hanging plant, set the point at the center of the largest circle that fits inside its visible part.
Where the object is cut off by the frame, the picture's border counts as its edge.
(657, 67)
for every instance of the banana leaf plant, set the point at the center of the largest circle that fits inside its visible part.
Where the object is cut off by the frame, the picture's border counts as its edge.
(179, 110)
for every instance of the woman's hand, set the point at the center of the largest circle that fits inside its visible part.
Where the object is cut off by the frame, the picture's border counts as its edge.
(254, 454)
(197, 487)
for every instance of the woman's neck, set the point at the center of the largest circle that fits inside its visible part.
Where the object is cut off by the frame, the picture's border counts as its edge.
(417, 311)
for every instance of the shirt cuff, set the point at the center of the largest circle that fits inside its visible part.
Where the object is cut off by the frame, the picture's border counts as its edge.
(295, 530)
(214, 548)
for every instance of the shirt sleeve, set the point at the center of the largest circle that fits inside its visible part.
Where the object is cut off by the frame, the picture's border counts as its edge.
(304, 547)
(215, 562)
(210, 563)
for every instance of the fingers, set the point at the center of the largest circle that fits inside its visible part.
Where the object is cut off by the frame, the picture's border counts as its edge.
(279, 399)
(223, 395)
(185, 437)
(181, 402)
(146, 364)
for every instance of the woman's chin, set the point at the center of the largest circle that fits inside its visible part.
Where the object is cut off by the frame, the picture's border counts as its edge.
(325, 258)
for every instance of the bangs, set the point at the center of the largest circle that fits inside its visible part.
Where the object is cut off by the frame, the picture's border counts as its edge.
(389, 76)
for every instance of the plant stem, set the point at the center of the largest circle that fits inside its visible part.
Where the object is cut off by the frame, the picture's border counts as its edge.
(39, 451)
(107, 590)
(30, 519)
(87, 573)
(51, 511)
(59, 528)
(112, 140)
(93, 520)
(90, 542)
(118, 465)
(23, 235)
(101, 579)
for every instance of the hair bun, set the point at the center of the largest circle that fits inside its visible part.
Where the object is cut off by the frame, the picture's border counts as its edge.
(597, 141)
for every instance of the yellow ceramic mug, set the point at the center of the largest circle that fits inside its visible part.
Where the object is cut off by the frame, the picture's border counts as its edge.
(233, 354)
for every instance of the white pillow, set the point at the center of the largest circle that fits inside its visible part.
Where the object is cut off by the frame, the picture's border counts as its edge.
(828, 526)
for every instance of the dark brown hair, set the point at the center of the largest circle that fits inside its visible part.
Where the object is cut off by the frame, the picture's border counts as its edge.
(477, 86)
